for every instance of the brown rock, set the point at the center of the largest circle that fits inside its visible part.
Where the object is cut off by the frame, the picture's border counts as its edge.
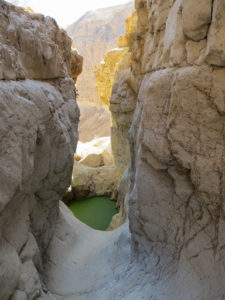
(93, 35)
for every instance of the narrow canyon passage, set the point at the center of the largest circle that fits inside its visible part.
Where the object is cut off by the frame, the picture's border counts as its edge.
(164, 87)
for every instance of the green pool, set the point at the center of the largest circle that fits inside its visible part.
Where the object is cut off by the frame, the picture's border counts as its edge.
(96, 212)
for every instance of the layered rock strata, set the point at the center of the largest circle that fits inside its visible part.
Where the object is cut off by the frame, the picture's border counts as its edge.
(38, 132)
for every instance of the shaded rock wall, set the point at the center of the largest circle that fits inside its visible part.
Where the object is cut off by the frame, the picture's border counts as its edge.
(122, 106)
(38, 132)
(177, 144)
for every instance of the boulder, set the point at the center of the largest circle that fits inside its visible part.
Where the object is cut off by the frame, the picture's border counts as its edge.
(96, 153)
(89, 182)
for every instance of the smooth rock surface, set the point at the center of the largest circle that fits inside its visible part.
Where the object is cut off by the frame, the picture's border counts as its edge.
(96, 153)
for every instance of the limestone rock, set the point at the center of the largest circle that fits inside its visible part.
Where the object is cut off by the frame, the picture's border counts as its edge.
(89, 182)
(177, 150)
(42, 51)
(96, 153)
(76, 64)
(98, 119)
(127, 39)
(122, 202)
(115, 61)
(196, 21)
(177, 171)
(215, 53)
(105, 73)
(122, 106)
(38, 132)
(88, 256)
(18, 295)
(95, 33)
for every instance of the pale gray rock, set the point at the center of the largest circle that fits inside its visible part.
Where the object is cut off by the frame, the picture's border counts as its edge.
(40, 51)
(175, 248)
(18, 295)
(10, 269)
(122, 106)
(32, 182)
(38, 132)
(29, 281)
(89, 182)
(177, 179)
(176, 195)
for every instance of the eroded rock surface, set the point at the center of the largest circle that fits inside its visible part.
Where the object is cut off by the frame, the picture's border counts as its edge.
(178, 151)
(93, 181)
(122, 106)
(177, 185)
(177, 173)
(38, 132)
(94, 172)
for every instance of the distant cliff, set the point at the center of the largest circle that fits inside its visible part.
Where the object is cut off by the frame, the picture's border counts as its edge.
(94, 34)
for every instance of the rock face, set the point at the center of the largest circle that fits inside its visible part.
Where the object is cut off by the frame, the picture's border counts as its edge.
(93, 181)
(177, 145)
(93, 35)
(94, 173)
(116, 88)
(115, 61)
(105, 73)
(38, 132)
(122, 106)
(177, 173)
(128, 38)
(96, 153)
(98, 119)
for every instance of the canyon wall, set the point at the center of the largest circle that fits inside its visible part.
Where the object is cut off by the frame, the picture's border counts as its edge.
(94, 34)
(116, 88)
(38, 132)
(177, 141)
